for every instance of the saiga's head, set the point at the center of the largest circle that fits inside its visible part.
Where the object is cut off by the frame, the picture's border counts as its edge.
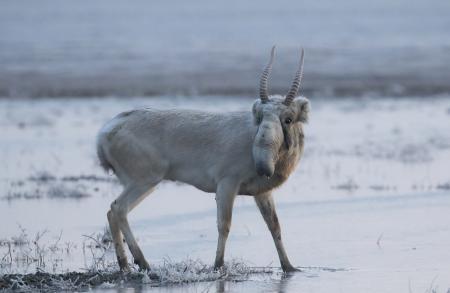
(276, 118)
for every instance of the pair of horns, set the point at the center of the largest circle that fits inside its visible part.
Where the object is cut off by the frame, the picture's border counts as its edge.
(263, 92)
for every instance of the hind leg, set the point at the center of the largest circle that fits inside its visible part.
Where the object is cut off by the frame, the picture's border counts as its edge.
(117, 239)
(120, 208)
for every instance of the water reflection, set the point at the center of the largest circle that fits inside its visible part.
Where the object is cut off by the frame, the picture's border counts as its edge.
(274, 283)
(277, 283)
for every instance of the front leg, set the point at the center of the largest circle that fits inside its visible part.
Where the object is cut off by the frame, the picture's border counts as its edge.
(267, 208)
(225, 195)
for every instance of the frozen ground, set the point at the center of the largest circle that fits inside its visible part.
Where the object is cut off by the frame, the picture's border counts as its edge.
(368, 209)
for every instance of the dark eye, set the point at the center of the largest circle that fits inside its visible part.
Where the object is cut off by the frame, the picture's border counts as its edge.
(288, 120)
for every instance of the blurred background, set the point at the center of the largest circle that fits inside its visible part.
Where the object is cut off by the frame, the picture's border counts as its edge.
(367, 210)
(102, 48)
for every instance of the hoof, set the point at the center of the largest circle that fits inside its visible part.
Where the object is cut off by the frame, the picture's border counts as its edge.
(218, 266)
(290, 269)
(143, 265)
(126, 269)
(123, 265)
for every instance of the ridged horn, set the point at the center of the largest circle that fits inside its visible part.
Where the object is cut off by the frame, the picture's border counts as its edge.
(296, 82)
(263, 92)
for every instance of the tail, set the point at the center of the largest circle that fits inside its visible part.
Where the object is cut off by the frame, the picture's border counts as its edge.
(104, 163)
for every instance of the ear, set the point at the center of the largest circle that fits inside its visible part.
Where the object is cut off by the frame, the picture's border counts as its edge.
(303, 108)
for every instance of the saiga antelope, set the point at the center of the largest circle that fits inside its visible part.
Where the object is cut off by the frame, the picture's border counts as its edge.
(234, 153)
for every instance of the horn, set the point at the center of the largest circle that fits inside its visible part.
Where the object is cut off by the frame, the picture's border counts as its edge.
(296, 82)
(263, 92)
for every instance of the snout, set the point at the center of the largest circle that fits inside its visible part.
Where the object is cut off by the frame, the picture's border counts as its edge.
(263, 169)
(268, 141)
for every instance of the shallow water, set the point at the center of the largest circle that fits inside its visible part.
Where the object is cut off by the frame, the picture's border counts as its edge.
(371, 195)
(86, 48)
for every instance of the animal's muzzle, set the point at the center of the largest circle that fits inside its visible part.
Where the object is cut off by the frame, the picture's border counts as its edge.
(263, 169)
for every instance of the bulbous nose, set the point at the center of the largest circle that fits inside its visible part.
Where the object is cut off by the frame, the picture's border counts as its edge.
(263, 169)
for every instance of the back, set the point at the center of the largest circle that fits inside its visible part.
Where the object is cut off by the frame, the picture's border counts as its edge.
(184, 145)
